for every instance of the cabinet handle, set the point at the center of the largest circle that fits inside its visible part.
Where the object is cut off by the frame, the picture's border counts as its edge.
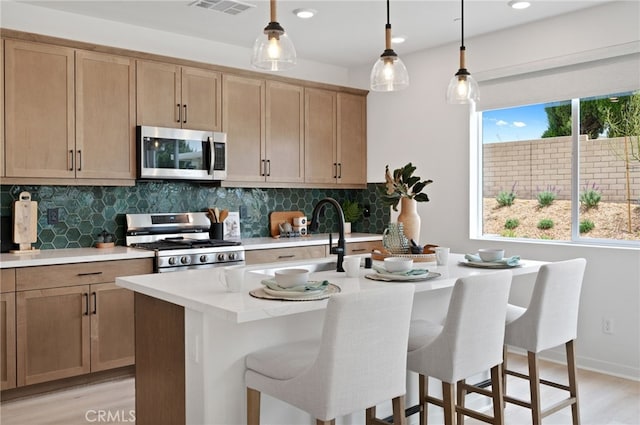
(89, 273)
(95, 302)
(263, 167)
(70, 160)
(335, 170)
(268, 167)
(358, 250)
(79, 160)
(179, 113)
(339, 170)
(185, 114)
(286, 256)
(86, 304)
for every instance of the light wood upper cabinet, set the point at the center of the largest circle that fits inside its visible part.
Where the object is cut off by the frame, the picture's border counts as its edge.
(70, 114)
(171, 96)
(284, 147)
(321, 165)
(243, 119)
(352, 139)
(2, 172)
(105, 116)
(39, 106)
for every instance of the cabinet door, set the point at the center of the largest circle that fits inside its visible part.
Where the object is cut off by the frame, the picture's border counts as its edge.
(52, 334)
(201, 99)
(105, 116)
(158, 94)
(320, 136)
(285, 254)
(7, 340)
(352, 139)
(362, 247)
(284, 133)
(39, 107)
(2, 172)
(112, 327)
(243, 119)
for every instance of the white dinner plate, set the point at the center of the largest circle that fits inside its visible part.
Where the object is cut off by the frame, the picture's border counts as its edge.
(399, 278)
(299, 296)
(488, 265)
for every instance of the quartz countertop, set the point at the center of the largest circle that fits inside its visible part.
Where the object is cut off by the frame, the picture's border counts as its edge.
(202, 290)
(47, 257)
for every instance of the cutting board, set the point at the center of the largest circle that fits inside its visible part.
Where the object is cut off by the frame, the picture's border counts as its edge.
(279, 217)
(25, 222)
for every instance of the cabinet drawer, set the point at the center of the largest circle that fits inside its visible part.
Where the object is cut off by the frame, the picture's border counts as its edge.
(363, 247)
(41, 277)
(7, 280)
(284, 254)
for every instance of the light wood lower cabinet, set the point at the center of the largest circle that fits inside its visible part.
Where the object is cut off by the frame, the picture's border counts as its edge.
(66, 328)
(8, 340)
(275, 255)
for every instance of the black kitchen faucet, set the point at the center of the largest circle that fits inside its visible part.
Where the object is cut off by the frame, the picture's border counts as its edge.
(313, 226)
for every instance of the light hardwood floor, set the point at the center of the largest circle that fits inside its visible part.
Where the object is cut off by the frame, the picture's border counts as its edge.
(603, 400)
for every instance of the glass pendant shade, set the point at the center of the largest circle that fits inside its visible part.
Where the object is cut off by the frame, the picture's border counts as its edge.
(273, 49)
(389, 74)
(462, 88)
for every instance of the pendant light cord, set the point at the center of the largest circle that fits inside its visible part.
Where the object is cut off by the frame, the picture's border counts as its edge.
(388, 20)
(462, 23)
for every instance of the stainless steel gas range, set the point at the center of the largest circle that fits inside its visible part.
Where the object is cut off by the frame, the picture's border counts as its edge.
(181, 241)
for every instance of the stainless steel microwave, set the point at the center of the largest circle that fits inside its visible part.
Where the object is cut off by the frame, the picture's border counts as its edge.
(181, 154)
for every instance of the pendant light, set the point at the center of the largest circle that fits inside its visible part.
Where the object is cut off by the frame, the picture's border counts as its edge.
(462, 87)
(389, 72)
(273, 50)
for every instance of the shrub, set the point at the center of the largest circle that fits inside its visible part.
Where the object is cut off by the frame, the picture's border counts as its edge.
(546, 197)
(545, 223)
(586, 226)
(505, 199)
(509, 233)
(590, 196)
(511, 223)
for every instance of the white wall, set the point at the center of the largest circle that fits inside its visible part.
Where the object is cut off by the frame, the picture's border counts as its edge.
(24, 17)
(417, 125)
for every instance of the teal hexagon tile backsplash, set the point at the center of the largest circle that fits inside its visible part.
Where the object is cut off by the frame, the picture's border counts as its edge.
(85, 211)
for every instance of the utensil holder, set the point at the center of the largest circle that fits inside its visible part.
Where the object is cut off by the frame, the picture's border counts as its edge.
(216, 231)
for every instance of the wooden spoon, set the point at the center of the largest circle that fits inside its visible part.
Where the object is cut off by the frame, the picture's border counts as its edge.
(216, 212)
(223, 214)
(212, 215)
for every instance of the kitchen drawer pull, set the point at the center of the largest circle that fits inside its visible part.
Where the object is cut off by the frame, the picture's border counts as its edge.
(179, 113)
(95, 302)
(86, 304)
(358, 249)
(185, 113)
(70, 160)
(286, 256)
(79, 160)
(89, 274)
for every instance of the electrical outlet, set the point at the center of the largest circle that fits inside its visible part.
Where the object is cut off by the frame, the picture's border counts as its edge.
(242, 211)
(607, 326)
(366, 211)
(53, 216)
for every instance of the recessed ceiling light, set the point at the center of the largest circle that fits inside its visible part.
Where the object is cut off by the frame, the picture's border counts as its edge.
(305, 13)
(518, 4)
(398, 39)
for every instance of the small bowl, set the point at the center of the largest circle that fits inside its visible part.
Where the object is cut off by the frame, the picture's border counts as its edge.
(288, 278)
(398, 264)
(490, 254)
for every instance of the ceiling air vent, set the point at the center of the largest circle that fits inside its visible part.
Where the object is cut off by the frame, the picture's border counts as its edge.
(230, 7)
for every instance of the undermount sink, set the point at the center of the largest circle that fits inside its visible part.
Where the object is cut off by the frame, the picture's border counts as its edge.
(312, 267)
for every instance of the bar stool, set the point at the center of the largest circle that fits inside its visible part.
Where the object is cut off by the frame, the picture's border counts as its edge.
(468, 343)
(550, 320)
(359, 361)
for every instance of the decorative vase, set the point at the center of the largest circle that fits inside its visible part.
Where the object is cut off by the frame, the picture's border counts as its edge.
(394, 240)
(409, 218)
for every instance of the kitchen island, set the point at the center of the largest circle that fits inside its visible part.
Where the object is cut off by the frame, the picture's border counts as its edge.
(192, 336)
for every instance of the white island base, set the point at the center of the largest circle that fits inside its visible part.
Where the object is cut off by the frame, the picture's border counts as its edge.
(192, 337)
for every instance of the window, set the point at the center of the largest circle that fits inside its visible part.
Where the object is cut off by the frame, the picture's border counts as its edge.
(567, 170)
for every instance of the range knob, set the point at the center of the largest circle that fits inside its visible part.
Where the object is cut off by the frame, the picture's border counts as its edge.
(173, 261)
(203, 259)
(185, 260)
(220, 257)
(232, 256)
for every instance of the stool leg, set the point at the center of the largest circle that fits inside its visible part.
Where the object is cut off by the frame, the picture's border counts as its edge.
(496, 390)
(461, 396)
(573, 381)
(423, 389)
(398, 411)
(369, 415)
(534, 388)
(448, 403)
(253, 407)
(320, 422)
(505, 352)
